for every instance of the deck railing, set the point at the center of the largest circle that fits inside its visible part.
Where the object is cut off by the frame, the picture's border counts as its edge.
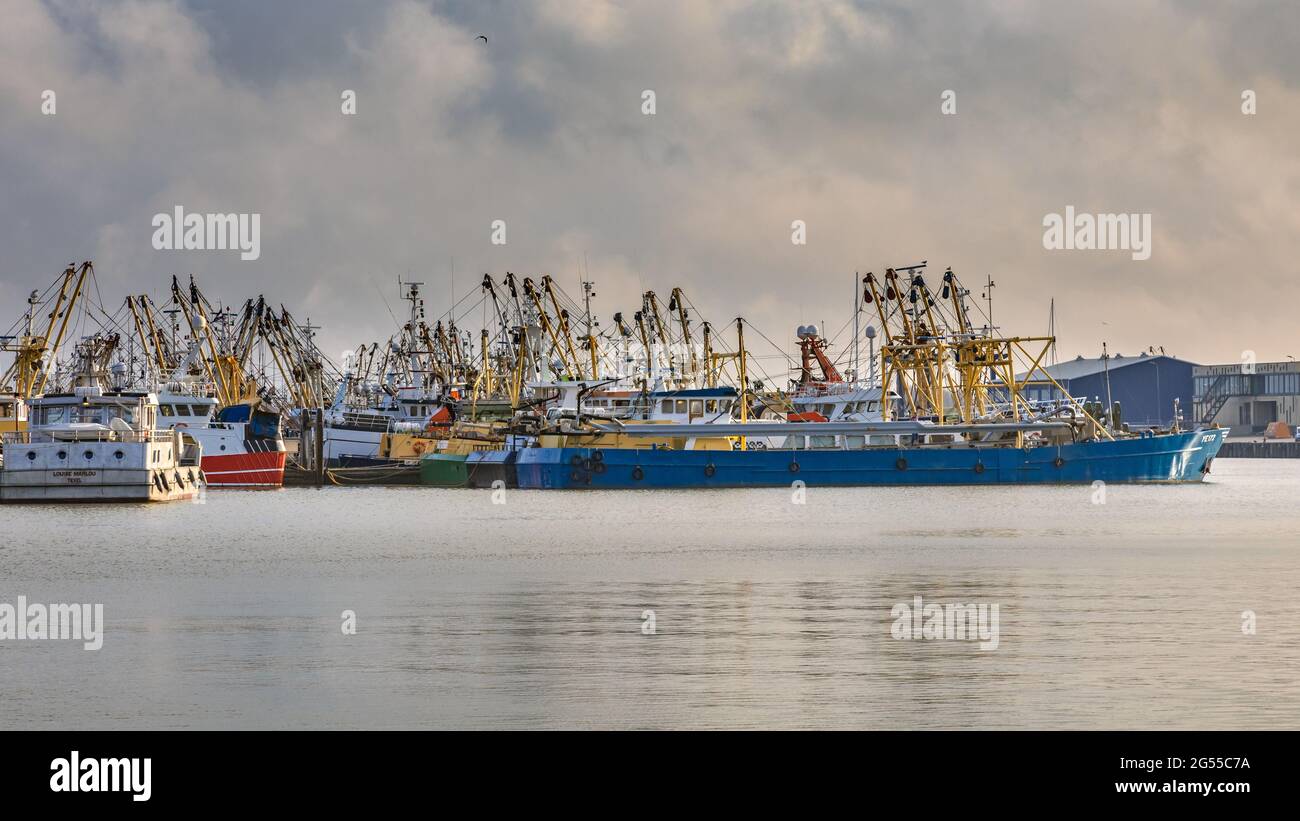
(28, 437)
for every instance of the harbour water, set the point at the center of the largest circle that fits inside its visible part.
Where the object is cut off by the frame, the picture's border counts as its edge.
(531, 613)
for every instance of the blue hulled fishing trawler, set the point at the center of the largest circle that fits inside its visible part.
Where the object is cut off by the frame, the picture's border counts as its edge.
(951, 408)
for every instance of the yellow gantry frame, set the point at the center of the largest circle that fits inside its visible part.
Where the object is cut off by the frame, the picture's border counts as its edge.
(958, 381)
(62, 310)
(955, 377)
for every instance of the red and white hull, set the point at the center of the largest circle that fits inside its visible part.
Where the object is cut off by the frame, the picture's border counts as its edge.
(249, 469)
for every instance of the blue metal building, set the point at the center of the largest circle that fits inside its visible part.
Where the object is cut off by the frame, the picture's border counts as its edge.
(1145, 385)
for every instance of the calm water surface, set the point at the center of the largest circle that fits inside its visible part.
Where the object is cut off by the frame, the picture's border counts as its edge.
(529, 614)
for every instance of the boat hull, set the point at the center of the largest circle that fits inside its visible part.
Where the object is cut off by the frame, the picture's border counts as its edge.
(444, 470)
(376, 472)
(100, 485)
(249, 469)
(485, 468)
(1180, 457)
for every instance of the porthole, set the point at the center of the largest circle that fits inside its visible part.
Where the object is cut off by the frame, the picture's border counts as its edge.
(90, 454)
(63, 454)
(31, 454)
(117, 454)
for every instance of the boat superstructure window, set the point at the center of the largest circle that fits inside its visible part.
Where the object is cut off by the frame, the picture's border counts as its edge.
(167, 410)
(697, 407)
(81, 414)
(667, 406)
(681, 406)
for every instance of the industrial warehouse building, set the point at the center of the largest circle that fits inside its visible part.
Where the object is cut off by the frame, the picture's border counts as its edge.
(1146, 386)
(1246, 398)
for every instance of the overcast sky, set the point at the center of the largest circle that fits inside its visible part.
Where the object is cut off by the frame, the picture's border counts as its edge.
(827, 112)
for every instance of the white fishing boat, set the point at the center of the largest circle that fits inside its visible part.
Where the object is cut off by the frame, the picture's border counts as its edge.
(353, 434)
(91, 445)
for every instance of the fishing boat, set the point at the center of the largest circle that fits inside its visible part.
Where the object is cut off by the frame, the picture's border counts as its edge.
(355, 435)
(242, 444)
(90, 445)
(928, 455)
(960, 417)
(410, 390)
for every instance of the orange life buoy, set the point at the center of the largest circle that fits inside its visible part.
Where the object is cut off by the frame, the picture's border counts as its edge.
(418, 447)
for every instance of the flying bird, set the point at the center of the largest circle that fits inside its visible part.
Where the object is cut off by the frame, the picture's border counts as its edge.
(482, 37)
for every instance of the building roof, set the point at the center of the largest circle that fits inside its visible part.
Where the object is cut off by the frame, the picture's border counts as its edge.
(1080, 366)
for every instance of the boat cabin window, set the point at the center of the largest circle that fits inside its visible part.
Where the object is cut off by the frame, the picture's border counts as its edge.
(681, 406)
(822, 441)
(667, 406)
(84, 414)
(697, 407)
(166, 410)
(726, 405)
(711, 406)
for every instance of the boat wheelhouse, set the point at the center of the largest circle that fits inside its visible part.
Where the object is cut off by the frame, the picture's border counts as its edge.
(96, 446)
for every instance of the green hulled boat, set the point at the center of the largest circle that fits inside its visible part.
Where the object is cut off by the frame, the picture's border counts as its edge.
(445, 465)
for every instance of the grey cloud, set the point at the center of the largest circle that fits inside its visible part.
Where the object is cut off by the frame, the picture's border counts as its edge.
(827, 112)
